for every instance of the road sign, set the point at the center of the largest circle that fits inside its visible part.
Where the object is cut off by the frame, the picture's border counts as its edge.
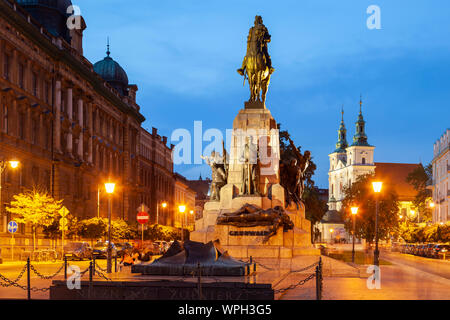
(143, 217)
(63, 222)
(63, 211)
(12, 227)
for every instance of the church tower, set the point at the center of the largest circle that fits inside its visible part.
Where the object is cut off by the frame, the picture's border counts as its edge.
(360, 154)
(338, 162)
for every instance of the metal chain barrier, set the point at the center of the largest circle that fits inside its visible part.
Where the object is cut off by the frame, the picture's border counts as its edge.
(101, 275)
(300, 283)
(10, 283)
(98, 267)
(306, 268)
(40, 275)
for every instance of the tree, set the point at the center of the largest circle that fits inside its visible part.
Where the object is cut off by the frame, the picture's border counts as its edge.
(36, 208)
(419, 178)
(360, 194)
(92, 229)
(120, 230)
(53, 231)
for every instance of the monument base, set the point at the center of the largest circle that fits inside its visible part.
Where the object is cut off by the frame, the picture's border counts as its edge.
(246, 242)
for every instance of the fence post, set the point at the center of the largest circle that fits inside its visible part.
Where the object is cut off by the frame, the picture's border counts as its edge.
(199, 269)
(251, 259)
(254, 267)
(93, 264)
(65, 267)
(28, 279)
(115, 263)
(317, 283)
(248, 269)
(91, 269)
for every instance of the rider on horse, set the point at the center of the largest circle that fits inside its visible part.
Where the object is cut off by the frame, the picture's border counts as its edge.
(260, 34)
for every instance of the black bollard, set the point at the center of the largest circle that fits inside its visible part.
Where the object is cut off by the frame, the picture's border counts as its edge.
(115, 263)
(65, 267)
(318, 284)
(199, 269)
(93, 263)
(254, 267)
(28, 279)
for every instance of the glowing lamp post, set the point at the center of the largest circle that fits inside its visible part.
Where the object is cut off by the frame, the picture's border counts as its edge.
(331, 235)
(109, 187)
(182, 210)
(163, 205)
(354, 213)
(3, 165)
(376, 255)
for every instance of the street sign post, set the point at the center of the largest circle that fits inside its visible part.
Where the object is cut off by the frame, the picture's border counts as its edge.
(63, 225)
(142, 217)
(12, 228)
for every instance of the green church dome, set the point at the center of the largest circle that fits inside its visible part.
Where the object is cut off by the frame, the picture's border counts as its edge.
(113, 73)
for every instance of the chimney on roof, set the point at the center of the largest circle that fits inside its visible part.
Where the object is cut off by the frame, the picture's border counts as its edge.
(154, 131)
(164, 139)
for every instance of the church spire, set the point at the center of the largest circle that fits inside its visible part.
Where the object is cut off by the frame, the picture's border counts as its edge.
(342, 144)
(107, 48)
(360, 137)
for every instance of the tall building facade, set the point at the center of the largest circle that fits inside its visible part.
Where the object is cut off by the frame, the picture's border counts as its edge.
(441, 175)
(73, 125)
(157, 185)
(185, 196)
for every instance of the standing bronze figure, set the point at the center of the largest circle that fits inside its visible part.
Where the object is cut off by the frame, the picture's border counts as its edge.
(219, 174)
(257, 65)
(292, 174)
(250, 172)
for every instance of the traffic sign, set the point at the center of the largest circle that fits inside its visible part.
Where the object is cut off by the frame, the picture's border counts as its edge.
(63, 222)
(12, 227)
(143, 217)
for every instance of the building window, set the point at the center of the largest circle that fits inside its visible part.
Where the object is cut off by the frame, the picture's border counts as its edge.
(34, 131)
(21, 76)
(21, 125)
(6, 67)
(34, 82)
(363, 160)
(5, 119)
(47, 92)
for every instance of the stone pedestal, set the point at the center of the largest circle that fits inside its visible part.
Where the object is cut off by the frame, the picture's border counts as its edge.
(243, 242)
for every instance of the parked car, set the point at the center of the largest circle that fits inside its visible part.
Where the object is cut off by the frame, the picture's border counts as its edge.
(100, 250)
(439, 250)
(428, 251)
(413, 249)
(420, 251)
(78, 251)
(122, 248)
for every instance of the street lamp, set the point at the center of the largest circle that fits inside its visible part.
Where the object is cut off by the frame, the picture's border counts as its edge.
(354, 213)
(109, 186)
(164, 205)
(182, 209)
(3, 165)
(331, 235)
(376, 255)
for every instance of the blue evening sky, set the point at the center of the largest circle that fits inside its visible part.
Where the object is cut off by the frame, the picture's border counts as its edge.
(183, 55)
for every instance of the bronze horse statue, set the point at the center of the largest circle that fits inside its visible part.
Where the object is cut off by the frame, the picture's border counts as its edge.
(257, 65)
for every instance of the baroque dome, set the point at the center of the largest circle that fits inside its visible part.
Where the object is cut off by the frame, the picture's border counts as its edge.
(52, 14)
(113, 73)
